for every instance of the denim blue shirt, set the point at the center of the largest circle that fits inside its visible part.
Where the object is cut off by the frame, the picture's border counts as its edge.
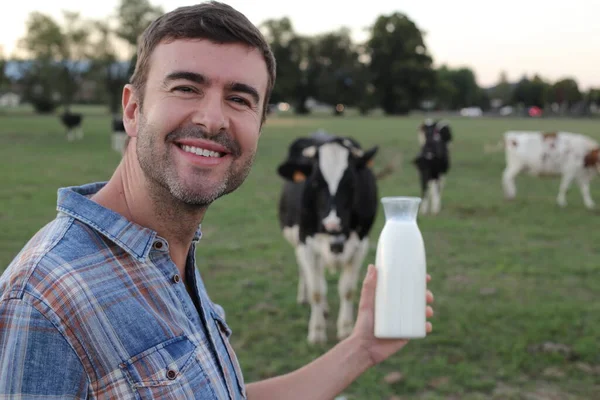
(93, 307)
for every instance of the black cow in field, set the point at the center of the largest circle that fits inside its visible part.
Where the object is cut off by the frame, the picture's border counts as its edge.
(326, 210)
(72, 121)
(433, 162)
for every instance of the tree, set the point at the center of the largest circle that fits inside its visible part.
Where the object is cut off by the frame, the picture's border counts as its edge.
(539, 90)
(134, 16)
(401, 68)
(61, 54)
(342, 77)
(593, 96)
(106, 65)
(4, 81)
(287, 50)
(532, 92)
(458, 88)
(522, 92)
(565, 92)
(503, 90)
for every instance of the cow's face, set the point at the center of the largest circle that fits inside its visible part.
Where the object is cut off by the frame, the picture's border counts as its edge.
(332, 184)
(429, 133)
(592, 160)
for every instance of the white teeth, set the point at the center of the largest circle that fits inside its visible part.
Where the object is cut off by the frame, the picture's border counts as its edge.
(201, 152)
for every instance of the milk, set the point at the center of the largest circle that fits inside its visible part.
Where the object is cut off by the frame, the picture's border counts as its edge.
(401, 272)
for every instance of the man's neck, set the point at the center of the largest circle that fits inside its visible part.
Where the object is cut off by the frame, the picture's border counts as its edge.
(130, 194)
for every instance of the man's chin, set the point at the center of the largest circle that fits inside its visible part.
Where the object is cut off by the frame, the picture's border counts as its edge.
(198, 200)
(200, 195)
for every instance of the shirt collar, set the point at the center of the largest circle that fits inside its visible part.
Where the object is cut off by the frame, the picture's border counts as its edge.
(133, 238)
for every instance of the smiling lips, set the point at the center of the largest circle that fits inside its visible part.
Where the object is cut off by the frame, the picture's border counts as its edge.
(203, 153)
(200, 151)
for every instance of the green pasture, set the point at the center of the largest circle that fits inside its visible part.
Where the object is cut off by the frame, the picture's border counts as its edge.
(516, 284)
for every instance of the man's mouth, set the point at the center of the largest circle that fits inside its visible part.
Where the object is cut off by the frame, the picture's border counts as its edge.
(199, 151)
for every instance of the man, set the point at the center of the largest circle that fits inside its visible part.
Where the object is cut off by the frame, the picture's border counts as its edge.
(106, 301)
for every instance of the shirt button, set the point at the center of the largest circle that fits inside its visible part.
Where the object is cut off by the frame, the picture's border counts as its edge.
(176, 278)
(158, 245)
(171, 374)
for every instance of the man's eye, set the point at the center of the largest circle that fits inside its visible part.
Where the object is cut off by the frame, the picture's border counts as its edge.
(241, 100)
(184, 89)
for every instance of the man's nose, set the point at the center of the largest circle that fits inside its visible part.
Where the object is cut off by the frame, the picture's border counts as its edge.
(211, 113)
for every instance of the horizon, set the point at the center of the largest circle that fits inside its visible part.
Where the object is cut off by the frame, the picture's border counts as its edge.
(487, 39)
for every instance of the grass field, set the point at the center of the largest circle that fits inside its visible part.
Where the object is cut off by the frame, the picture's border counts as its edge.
(516, 283)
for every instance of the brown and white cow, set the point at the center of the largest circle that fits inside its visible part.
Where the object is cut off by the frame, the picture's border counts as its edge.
(568, 155)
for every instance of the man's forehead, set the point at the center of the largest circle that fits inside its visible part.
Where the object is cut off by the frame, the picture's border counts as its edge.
(228, 62)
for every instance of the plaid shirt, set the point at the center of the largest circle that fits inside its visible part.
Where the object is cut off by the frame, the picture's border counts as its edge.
(93, 307)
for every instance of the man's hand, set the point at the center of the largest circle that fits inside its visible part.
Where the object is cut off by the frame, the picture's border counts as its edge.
(363, 333)
(330, 374)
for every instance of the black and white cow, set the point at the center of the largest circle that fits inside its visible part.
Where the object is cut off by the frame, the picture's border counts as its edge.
(72, 122)
(433, 162)
(326, 210)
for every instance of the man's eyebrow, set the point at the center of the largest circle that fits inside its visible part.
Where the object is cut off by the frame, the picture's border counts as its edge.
(186, 75)
(203, 80)
(244, 88)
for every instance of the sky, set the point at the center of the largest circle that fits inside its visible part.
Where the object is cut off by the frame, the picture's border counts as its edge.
(555, 39)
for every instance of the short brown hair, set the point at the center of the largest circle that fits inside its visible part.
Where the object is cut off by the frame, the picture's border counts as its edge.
(215, 21)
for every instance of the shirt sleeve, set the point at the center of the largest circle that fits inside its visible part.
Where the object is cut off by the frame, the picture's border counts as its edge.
(35, 358)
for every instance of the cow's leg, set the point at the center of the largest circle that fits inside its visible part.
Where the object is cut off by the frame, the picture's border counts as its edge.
(347, 290)
(584, 186)
(424, 209)
(442, 185)
(290, 233)
(565, 183)
(70, 135)
(314, 278)
(79, 132)
(301, 297)
(508, 180)
(436, 201)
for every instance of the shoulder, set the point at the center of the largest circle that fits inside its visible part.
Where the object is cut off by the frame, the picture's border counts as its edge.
(48, 265)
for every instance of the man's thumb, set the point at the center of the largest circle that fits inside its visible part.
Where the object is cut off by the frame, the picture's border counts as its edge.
(367, 295)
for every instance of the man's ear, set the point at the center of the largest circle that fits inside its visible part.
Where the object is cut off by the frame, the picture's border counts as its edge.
(131, 108)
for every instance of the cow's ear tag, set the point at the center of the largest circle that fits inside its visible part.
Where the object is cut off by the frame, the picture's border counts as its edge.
(299, 176)
(370, 163)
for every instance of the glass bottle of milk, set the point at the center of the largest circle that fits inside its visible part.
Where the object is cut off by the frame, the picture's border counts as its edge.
(401, 272)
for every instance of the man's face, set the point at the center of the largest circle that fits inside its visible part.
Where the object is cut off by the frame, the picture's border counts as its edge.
(199, 125)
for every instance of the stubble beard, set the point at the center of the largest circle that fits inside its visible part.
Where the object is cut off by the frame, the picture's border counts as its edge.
(167, 187)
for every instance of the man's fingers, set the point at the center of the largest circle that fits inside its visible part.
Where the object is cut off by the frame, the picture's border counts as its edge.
(428, 327)
(429, 312)
(429, 297)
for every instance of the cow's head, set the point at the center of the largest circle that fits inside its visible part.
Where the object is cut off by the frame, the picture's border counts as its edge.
(297, 167)
(332, 183)
(429, 132)
(592, 159)
(331, 180)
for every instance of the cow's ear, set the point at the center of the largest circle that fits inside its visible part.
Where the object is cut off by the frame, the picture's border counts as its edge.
(298, 176)
(294, 172)
(367, 159)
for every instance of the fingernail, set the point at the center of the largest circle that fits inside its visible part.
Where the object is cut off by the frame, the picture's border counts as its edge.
(370, 271)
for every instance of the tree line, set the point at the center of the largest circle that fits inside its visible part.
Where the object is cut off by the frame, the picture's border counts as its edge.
(78, 61)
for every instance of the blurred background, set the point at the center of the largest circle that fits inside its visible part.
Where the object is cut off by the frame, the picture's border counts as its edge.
(516, 283)
(508, 58)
